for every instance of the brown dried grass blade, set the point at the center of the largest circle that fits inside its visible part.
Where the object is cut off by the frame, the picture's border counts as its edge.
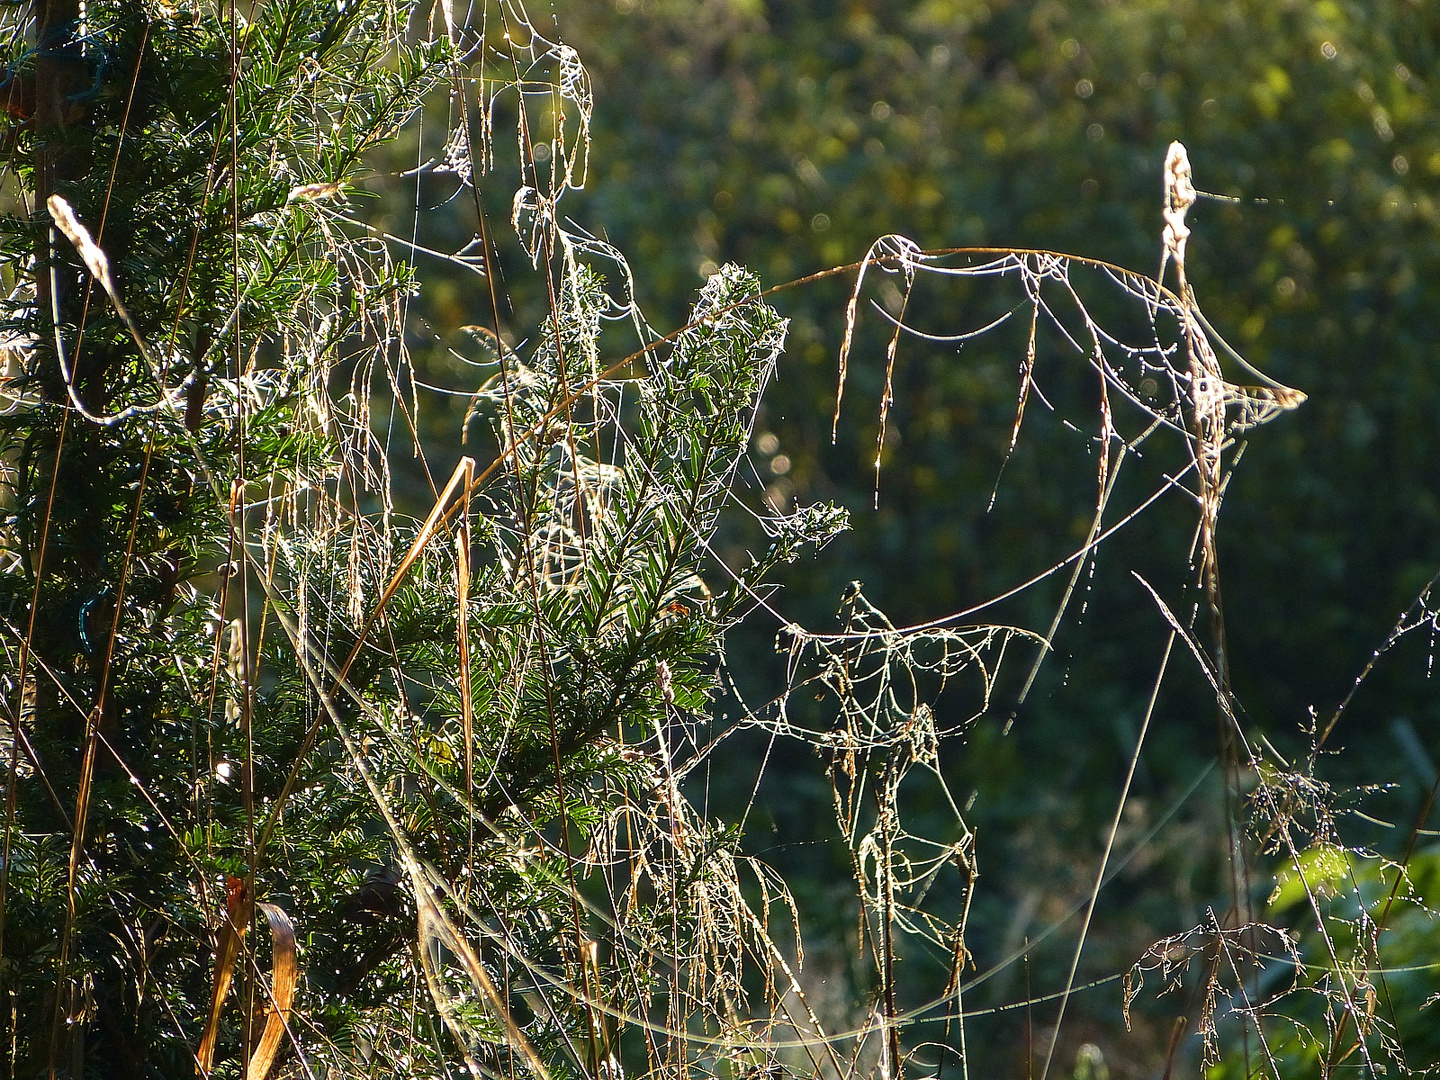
(464, 470)
(889, 250)
(599, 1033)
(1107, 432)
(462, 575)
(1027, 378)
(852, 310)
(284, 976)
(844, 364)
(284, 971)
(887, 397)
(227, 950)
(435, 928)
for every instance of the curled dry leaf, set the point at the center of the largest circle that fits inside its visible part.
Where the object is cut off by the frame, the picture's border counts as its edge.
(239, 909)
(284, 970)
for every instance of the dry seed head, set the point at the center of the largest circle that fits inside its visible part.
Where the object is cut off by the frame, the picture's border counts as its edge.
(313, 192)
(95, 260)
(1179, 197)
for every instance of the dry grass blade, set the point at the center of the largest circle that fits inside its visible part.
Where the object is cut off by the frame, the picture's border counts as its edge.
(890, 250)
(1027, 379)
(887, 396)
(462, 582)
(851, 313)
(596, 1011)
(436, 930)
(283, 980)
(464, 471)
(282, 991)
(238, 910)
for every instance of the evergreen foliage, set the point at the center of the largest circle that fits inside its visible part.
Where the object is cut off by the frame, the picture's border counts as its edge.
(238, 683)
